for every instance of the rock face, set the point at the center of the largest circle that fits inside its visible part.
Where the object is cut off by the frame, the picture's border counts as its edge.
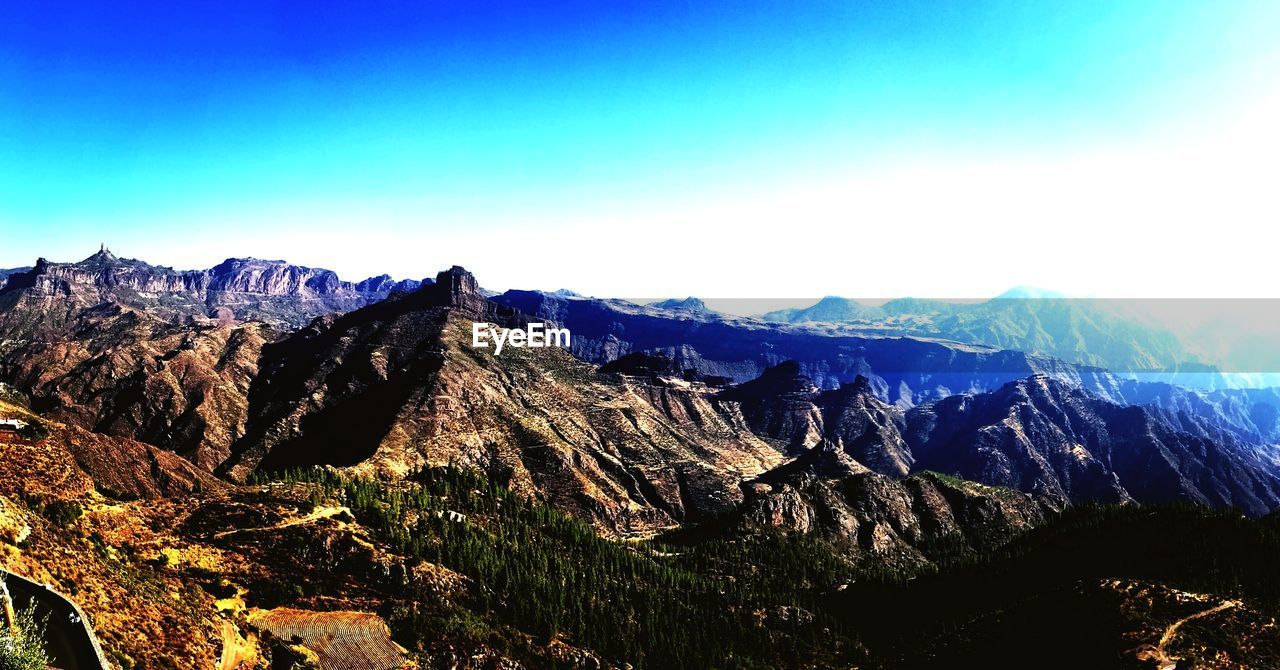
(781, 405)
(896, 522)
(396, 386)
(1045, 437)
(243, 289)
(250, 275)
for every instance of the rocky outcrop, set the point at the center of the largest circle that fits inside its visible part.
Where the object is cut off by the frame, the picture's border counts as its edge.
(858, 423)
(6, 272)
(103, 272)
(781, 405)
(250, 275)
(895, 522)
(851, 421)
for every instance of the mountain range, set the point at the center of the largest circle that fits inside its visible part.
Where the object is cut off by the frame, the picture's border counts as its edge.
(240, 289)
(204, 409)
(393, 386)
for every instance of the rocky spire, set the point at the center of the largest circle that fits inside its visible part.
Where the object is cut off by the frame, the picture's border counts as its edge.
(458, 289)
(460, 286)
(104, 256)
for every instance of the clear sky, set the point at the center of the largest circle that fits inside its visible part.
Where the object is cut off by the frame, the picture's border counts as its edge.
(723, 149)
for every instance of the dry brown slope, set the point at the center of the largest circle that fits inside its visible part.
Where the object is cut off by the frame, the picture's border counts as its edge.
(58, 515)
(632, 453)
(397, 386)
(119, 371)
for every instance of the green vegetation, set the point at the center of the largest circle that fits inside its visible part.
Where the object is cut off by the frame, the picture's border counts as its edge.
(701, 598)
(22, 646)
(13, 396)
(714, 605)
(35, 430)
(62, 513)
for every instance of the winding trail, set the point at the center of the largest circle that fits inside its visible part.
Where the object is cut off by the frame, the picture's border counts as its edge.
(320, 513)
(1162, 657)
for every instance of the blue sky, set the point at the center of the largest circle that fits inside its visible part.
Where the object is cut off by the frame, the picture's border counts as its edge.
(645, 148)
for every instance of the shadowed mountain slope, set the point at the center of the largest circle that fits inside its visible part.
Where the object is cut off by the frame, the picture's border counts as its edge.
(1038, 435)
(1046, 437)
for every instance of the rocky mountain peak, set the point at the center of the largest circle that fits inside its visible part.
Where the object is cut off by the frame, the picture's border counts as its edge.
(458, 288)
(383, 283)
(252, 275)
(690, 304)
(830, 309)
(785, 377)
(860, 385)
(1036, 389)
(236, 264)
(458, 281)
(102, 257)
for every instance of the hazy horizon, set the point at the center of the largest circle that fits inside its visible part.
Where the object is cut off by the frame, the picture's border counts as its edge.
(724, 303)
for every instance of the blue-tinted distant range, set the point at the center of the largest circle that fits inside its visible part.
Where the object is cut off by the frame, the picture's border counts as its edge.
(737, 149)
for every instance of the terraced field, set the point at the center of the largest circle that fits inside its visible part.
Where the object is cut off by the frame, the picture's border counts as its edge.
(338, 639)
